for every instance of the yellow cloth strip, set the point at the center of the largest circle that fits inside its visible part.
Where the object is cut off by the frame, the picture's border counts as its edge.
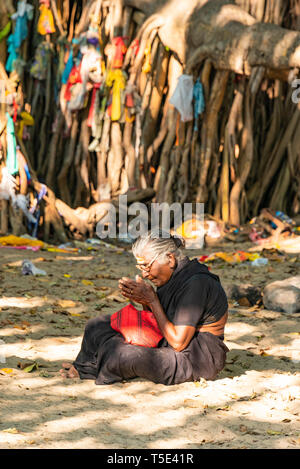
(12, 240)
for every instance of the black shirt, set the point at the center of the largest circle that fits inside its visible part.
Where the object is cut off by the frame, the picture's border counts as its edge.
(193, 296)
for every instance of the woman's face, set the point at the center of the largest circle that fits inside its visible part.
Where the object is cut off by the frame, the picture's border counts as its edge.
(157, 273)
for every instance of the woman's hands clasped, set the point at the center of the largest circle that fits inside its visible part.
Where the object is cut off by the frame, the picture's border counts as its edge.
(137, 290)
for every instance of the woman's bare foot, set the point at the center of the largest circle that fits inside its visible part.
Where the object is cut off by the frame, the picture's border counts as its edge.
(66, 365)
(68, 371)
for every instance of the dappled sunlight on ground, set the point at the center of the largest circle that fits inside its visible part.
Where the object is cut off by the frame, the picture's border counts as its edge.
(21, 302)
(253, 403)
(139, 414)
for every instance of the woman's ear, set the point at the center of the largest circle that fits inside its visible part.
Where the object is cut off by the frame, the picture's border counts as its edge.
(172, 261)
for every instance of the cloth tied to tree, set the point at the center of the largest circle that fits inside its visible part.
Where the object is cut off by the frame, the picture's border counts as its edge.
(11, 156)
(26, 120)
(92, 109)
(89, 68)
(74, 77)
(116, 80)
(182, 98)
(199, 103)
(13, 55)
(22, 202)
(119, 52)
(147, 64)
(68, 67)
(135, 46)
(46, 22)
(71, 61)
(7, 184)
(41, 61)
(23, 14)
(91, 64)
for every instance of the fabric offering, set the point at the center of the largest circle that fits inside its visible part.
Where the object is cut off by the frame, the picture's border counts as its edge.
(199, 103)
(11, 156)
(68, 67)
(26, 120)
(13, 55)
(74, 91)
(46, 21)
(92, 109)
(116, 80)
(90, 64)
(21, 201)
(7, 185)
(182, 98)
(147, 64)
(23, 14)
(134, 47)
(41, 61)
(137, 327)
(77, 97)
(78, 73)
(119, 52)
(16, 241)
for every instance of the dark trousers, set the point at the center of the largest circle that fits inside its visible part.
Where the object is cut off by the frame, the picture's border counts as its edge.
(107, 358)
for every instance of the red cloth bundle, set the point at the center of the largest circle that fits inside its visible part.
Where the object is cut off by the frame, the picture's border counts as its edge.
(74, 77)
(137, 327)
(120, 51)
(92, 108)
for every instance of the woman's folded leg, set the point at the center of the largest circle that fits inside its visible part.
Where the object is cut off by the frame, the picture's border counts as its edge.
(96, 334)
(121, 361)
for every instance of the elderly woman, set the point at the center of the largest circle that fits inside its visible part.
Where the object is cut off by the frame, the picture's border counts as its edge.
(190, 307)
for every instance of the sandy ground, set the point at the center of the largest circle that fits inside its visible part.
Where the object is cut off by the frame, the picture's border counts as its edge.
(253, 403)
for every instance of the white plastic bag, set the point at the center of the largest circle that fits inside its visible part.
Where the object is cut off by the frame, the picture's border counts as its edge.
(28, 268)
(21, 202)
(182, 98)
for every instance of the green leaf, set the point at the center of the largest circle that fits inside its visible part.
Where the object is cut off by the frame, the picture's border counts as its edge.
(32, 367)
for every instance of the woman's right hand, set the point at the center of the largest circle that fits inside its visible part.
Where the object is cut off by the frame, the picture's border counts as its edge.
(137, 290)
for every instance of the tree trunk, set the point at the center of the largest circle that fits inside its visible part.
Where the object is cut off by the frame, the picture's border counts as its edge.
(240, 155)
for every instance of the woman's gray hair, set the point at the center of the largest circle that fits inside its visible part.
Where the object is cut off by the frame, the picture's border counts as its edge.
(158, 244)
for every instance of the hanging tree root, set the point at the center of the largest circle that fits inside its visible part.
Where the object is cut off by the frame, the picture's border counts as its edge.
(216, 98)
(68, 161)
(230, 142)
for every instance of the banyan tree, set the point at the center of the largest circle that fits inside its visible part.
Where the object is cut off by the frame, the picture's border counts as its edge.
(162, 100)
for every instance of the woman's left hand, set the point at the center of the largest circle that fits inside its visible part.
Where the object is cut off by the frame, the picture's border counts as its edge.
(137, 290)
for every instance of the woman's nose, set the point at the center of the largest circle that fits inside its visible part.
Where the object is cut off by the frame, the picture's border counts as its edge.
(145, 274)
